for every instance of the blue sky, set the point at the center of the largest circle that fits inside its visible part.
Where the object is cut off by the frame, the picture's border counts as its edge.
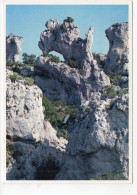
(29, 21)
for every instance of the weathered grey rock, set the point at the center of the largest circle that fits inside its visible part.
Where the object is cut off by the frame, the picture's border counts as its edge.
(99, 143)
(27, 71)
(64, 39)
(24, 110)
(13, 47)
(117, 57)
(29, 158)
(35, 140)
(101, 58)
(60, 82)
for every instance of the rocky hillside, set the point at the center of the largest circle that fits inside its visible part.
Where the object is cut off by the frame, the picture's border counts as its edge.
(68, 120)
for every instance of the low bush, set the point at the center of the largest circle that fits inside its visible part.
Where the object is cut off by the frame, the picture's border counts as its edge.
(111, 92)
(29, 81)
(87, 110)
(115, 25)
(46, 54)
(55, 112)
(29, 59)
(73, 63)
(51, 30)
(111, 176)
(9, 152)
(14, 66)
(64, 133)
(14, 77)
(50, 113)
(63, 28)
(114, 77)
(69, 20)
(55, 59)
(73, 71)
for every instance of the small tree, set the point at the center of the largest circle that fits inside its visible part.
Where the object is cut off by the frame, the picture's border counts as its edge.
(69, 20)
(28, 59)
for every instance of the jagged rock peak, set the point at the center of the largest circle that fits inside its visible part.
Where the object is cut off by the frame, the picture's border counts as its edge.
(13, 47)
(64, 39)
(117, 58)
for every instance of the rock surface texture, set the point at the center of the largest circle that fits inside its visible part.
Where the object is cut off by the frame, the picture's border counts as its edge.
(33, 139)
(70, 85)
(118, 54)
(99, 143)
(64, 39)
(13, 47)
(98, 139)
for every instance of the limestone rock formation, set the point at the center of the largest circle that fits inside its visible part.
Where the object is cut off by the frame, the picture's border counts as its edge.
(98, 140)
(24, 111)
(70, 85)
(118, 54)
(99, 143)
(101, 58)
(64, 39)
(33, 139)
(13, 47)
(30, 159)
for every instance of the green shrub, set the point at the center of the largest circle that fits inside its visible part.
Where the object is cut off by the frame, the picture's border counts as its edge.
(114, 176)
(73, 71)
(20, 77)
(9, 63)
(51, 30)
(14, 66)
(111, 92)
(50, 113)
(14, 77)
(79, 39)
(46, 54)
(64, 133)
(114, 77)
(9, 152)
(81, 71)
(7, 161)
(29, 81)
(10, 148)
(87, 110)
(55, 59)
(111, 176)
(63, 28)
(29, 59)
(115, 25)
(56, 111)
(73, 63)
(69, 20)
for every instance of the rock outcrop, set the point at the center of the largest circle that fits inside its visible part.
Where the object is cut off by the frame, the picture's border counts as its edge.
(13, 47)
(99, 143)
(70, 85)
(98, 140)
(31, 160)
(34, 141)
(24, 111)
(117, 57)
(64, 39)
